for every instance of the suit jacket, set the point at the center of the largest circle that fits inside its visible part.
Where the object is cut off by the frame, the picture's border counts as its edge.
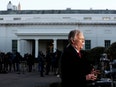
(73, 68)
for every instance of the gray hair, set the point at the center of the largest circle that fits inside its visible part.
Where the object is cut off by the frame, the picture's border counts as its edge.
(72, 35)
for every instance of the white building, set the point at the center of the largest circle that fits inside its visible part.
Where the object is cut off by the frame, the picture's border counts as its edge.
(30, 31)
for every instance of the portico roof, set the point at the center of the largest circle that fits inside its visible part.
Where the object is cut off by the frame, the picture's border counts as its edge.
(42, 35)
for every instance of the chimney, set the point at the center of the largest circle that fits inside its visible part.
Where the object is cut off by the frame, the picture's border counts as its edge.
(9, 6)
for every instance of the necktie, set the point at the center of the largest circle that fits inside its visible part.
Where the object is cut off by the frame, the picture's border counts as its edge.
(80, 54)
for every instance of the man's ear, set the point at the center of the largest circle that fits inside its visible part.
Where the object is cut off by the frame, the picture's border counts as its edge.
(73, 41)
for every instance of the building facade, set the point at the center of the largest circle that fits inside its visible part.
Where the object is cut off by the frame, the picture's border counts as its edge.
(31, 31)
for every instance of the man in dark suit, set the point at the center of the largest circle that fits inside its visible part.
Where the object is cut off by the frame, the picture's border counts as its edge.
(75, 69)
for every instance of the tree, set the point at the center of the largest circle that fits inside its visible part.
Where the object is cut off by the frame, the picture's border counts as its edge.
(111, 51)
(95, 54)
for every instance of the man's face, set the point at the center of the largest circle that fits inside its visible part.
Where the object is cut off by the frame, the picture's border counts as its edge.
(79, 41)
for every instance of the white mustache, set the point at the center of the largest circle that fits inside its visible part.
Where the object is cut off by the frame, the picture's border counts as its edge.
(83, 43)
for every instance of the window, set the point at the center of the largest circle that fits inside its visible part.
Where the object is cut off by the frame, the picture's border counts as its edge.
(66, 17)
(14, 46)
(87, 18)
(17, 19)
(87, 44)
(107, 43)
(106, 18)
(1, 18)
(114, 18)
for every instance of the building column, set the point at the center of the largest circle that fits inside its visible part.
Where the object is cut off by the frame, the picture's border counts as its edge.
(54, 45)
(36, 47)
(18, 45)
